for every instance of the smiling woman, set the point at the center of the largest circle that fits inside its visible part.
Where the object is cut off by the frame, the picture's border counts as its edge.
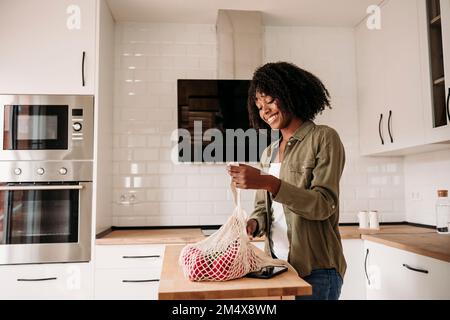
(297, 199)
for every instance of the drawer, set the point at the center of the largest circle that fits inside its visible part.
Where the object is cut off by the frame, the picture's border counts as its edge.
(47, 281)
(127, 284)
(128, 256)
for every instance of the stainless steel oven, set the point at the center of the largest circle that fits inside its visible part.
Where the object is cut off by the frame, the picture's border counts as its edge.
(45, 211)
(46, 127)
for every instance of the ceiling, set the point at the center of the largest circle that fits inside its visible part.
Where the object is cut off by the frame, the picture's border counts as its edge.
(340, 13)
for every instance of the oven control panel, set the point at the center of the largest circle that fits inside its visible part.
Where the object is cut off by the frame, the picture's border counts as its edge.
(77, 123)
(29, 171)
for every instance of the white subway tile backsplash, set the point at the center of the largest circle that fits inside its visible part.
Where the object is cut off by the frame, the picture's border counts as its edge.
(198, 181)
(381, 205)
(200, 208)
(172, 181)
(159, 195)
(173, 208)
(146, 209)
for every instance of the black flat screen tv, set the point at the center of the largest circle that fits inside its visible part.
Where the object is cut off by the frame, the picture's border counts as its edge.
(214, 125)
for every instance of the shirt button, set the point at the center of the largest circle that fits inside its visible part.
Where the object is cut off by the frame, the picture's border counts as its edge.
(333, 206)
(289, 143)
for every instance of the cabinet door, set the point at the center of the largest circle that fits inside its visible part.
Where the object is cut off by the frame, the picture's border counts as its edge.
(445, 16)
(369, 59)
(354, 281)
(395, 274)
(403, 109)
(43, 44)
(48, 281)
(435, 41)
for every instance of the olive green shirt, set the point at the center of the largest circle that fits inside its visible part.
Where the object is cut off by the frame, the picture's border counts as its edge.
(310, 172)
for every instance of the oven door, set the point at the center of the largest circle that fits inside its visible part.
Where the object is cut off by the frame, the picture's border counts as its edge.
(45, 222)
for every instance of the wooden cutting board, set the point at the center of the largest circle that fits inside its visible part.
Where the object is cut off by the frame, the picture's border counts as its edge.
(173, 285)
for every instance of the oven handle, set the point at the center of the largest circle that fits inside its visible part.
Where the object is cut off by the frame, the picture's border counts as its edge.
(32, 188)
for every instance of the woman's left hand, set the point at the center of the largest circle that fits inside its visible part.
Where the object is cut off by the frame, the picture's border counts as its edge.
(247, 177)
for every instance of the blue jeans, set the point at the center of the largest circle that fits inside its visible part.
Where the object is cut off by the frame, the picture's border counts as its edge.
(326, 285)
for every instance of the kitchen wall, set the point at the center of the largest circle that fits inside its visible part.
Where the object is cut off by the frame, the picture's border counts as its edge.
(424, 175)
(149, 59)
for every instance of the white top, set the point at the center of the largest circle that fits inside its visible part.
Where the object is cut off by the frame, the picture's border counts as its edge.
(279, 227)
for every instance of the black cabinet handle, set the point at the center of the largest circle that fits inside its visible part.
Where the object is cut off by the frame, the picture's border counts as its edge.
(415, 269)
(365, 267)
(379, 129)
(448, 107)
(140, 281)
(82, 68)
(41, 279)
(140, 257)
(389, 126)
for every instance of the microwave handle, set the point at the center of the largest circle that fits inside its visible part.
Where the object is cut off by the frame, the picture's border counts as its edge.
(33, 188)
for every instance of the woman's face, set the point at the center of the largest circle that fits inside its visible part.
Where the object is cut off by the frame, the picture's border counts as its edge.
(270, 112)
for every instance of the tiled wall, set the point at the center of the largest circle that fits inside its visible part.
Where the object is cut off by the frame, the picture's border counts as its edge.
(424, 175)
(149, 59)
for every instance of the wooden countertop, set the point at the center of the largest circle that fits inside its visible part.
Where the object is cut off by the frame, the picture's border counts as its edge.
(151, 236)
(419, 240)
(432, 245)
(173, 285)
(173, 236)
(353, 232)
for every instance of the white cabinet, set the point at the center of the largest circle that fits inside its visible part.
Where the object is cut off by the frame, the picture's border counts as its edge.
(389, 81)
(434, 20)
(354, 287)
(394, 274)
(47, 281)
(125, 272)
(42, 46)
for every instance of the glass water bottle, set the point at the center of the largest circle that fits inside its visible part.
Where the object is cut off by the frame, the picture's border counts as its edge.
(442, 212)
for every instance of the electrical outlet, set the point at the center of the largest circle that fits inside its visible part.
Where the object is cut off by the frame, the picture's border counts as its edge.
(416, 196)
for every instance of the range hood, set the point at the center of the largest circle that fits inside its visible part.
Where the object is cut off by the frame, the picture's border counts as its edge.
(239, 43)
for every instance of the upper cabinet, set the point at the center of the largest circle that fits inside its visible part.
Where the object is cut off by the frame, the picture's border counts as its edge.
(403, 78)
(47, 46)
(434, 19)
(389, 81)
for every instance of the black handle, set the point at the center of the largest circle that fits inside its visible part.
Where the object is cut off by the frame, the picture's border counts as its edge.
(389, 126)
(448, 107)
(41, 279)
(82, 68)
(365, 267)
(140, 257)
(379, 129)
(415, 269)
(140, 281)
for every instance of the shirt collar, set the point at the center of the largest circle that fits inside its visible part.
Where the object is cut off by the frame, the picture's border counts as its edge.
(303, 130)
(299, 135)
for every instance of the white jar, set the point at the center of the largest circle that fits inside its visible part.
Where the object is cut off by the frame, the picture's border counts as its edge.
(374, 220)
(363, 218)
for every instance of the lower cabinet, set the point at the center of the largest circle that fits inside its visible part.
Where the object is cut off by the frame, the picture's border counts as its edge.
(393, 274)
(354, 287)
(69, 281)
(128, 272)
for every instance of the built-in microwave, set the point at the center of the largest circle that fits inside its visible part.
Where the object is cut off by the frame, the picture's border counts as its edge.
(46, 127)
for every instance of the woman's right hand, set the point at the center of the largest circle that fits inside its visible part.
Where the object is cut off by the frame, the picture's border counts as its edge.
(252, 225)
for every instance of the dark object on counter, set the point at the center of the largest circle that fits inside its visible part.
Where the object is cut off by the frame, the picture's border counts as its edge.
(267, 272)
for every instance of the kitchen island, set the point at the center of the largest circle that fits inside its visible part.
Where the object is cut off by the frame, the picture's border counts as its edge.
(174, 286)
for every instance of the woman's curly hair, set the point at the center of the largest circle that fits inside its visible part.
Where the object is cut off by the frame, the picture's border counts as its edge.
(299, 92)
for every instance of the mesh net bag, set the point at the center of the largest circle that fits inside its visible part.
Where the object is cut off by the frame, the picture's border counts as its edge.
(228, 253)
